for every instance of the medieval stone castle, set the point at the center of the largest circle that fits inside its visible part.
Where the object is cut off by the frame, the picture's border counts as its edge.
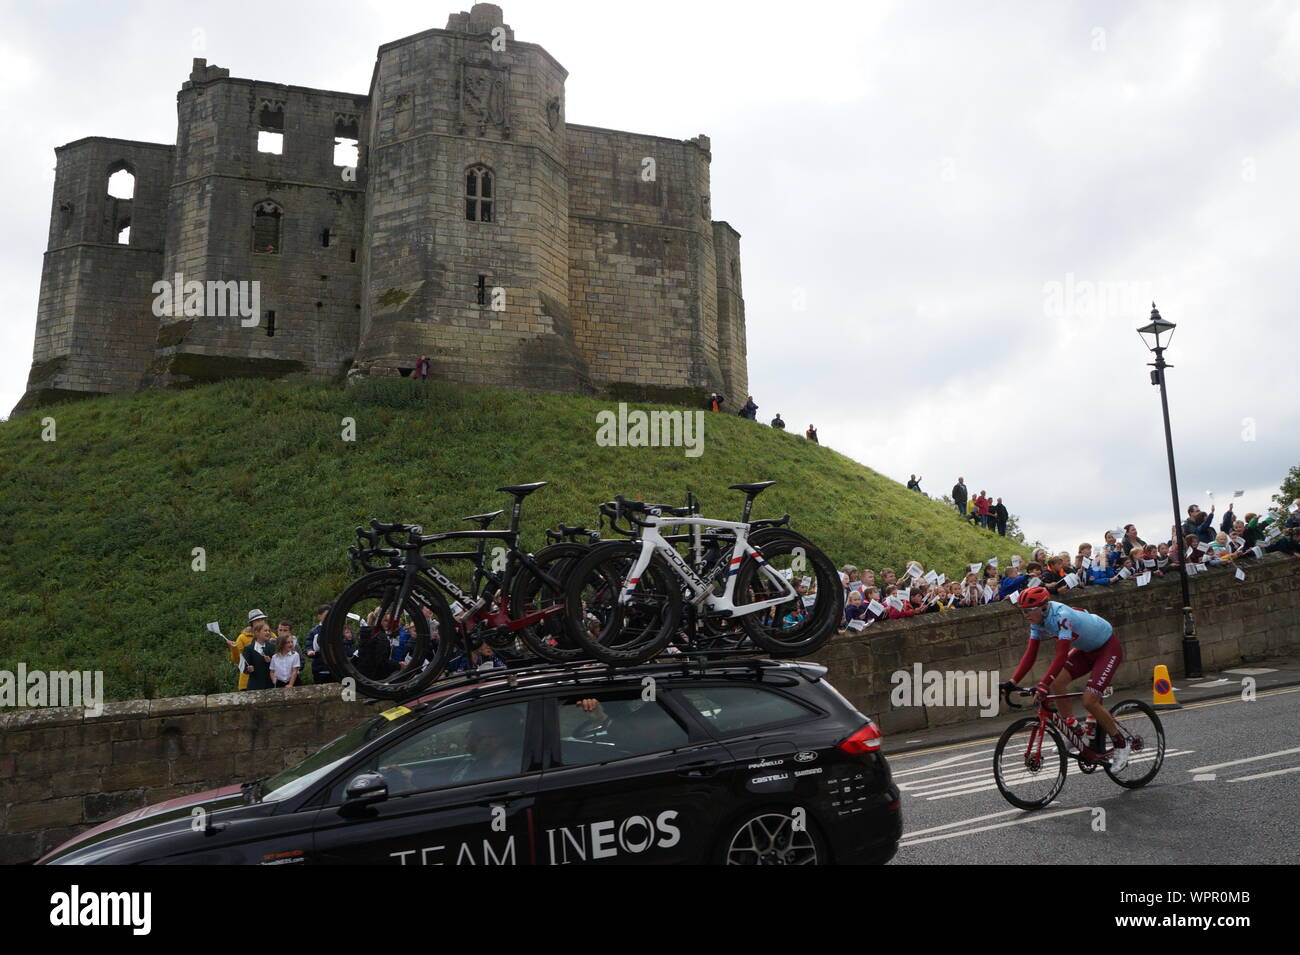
(474, 226)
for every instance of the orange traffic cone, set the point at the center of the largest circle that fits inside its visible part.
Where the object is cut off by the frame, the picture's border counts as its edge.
(1162, 690)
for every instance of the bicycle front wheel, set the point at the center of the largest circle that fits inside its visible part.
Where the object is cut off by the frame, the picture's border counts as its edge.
(627, 632)
(1145, 737)
(1029, 764)
(803, 624)
(390, 651)
(547, 638)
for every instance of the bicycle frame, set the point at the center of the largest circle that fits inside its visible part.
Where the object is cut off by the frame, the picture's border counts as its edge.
(1046, 715)
(701, 588)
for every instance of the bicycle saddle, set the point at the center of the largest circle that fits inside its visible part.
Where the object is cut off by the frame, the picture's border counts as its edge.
(521, 491)
(483, 520)
(755, 489)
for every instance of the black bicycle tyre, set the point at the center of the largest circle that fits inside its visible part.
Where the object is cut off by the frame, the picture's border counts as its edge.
(434, 652)
(557, 560)
(810, 635)
(1156, 763)
(1063, 761)
(609, 560)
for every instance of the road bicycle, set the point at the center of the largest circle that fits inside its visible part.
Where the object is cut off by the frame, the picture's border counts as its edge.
(1029, 762)
(625, 600)
(404, 608)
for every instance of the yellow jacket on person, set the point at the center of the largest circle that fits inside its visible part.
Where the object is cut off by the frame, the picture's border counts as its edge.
(237, 654)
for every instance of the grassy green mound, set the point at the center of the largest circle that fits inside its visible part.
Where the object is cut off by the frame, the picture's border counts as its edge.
(99, 526)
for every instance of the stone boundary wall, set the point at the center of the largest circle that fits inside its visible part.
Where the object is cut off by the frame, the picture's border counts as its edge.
(61, 772)
(1236, 622)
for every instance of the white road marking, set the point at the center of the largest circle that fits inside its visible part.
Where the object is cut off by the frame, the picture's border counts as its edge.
(1029, 817)
(1276, 772)
(1248, 759)
(1204, 778)
(963, 822)
(958, 760)
(971, 786)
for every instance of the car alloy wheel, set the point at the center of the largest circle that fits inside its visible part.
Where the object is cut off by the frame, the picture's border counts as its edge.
(771, 838)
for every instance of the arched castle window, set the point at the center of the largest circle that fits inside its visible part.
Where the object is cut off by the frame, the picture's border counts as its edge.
(121, 181)
(266, 227)
(479, 195)
(124, 233)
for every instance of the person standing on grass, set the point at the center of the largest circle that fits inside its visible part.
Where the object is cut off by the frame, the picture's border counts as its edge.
(959, 496)
(811, 434)
(1000, 515)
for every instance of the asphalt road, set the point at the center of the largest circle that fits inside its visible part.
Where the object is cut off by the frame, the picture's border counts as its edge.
(1242, 810)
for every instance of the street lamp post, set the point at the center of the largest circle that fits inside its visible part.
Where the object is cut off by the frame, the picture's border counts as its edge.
(1152, 337)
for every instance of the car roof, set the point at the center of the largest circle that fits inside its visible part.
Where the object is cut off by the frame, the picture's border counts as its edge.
(586, 674)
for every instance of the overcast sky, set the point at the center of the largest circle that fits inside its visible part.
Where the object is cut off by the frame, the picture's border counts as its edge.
(953, 215)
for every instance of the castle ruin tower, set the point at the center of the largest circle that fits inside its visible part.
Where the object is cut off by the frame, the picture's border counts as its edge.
(467, 256)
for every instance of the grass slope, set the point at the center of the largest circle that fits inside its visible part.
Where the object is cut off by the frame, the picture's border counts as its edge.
(99, 526)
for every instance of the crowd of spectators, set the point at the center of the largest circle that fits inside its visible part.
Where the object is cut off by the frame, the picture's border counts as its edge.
(749, 411)
(1200, 543)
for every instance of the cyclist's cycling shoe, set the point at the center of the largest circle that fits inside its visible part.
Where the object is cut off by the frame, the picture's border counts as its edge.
(1119, 758)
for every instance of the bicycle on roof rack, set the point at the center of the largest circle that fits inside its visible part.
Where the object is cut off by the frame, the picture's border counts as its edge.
(404, 628)
(625, 600)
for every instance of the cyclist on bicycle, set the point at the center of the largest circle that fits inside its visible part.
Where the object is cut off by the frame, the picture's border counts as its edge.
(1085, 642)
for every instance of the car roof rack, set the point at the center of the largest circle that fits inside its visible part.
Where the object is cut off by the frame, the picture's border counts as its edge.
(684, 663)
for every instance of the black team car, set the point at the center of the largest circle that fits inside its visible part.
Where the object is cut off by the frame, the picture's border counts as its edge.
(742, 762)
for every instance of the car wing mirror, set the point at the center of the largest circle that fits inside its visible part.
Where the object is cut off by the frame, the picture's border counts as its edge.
(365, 789)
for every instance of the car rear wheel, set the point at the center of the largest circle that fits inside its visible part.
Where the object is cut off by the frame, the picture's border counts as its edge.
(774, 836)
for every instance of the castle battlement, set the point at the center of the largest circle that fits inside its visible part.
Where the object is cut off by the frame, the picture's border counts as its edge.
(450, 211)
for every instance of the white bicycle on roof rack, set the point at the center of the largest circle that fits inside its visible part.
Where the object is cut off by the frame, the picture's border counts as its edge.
(625, 601)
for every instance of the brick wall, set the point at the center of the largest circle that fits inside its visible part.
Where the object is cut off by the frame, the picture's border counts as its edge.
(1236, 621)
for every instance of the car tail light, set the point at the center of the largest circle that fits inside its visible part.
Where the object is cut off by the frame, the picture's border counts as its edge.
(865, 740)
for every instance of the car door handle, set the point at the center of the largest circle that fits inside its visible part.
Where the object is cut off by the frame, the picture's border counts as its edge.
(699, 769)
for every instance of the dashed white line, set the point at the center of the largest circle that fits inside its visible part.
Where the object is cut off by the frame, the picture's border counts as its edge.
(1276, 772)
(1248, 759)
(1029, 817)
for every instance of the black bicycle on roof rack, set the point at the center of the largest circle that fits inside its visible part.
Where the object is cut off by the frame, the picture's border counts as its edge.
(393, 630)
(625, 600)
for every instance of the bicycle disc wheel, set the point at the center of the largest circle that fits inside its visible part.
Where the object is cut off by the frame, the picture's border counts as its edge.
(801, 625)
(1145, 737)
(548, 638)
(1028, 765)
(621, 633)
(369, 608)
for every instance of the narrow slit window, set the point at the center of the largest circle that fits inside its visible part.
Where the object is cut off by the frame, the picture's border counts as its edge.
(482, 289)
(325, 240)
(124, 234)
(270, 324)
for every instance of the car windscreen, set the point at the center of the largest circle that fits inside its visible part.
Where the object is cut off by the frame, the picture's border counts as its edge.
(320, 764)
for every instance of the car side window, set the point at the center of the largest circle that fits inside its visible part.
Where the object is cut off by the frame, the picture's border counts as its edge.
(738, 709)
(599, 729)
(471, 748)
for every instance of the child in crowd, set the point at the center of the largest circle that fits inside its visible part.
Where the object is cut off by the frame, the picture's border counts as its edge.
(855, 609)
(888, 578)
(1151, 560)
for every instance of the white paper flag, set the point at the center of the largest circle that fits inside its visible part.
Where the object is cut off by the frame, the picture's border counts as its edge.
(1241, 574)
(894, 602)
(1194, 569)
(988, 594)
(904, 594)
(809, 600)
(1071, 581)
(942, 579)
(1143, 579)
(215, 628)
(1015, 597)
(1210, 495)
(1148, 562)
(1034, 582)
(1203, 548)
(1124, 573)
(1191, 551)
(807, 581)
(931, 577)
(1257, 551)
(788, 574)
(975, 568)
(857, 625)
(1087, 563)
(993, 561)
(876, 607)
(1015, 560)
(1293, 508)
(1237, 494)
(913, 571)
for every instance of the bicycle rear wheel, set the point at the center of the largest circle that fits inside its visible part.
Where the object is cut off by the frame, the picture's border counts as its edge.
(1029, 765)
(369, 607)
(621, 633)
(781, 630)
(548, 638)
(1145, 737)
